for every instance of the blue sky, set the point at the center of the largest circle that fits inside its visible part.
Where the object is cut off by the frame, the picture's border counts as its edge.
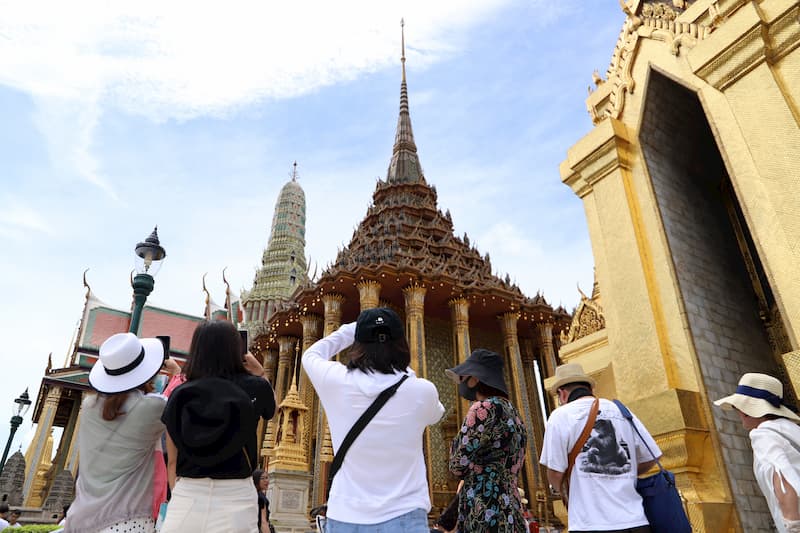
(190, 118)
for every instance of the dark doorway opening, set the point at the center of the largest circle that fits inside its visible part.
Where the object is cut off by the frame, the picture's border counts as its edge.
(730, 307)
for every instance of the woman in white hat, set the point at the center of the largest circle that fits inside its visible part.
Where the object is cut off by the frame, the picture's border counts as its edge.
(775, 437)
(117, 438)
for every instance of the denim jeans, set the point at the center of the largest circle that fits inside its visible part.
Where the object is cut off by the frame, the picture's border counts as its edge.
(415, 521)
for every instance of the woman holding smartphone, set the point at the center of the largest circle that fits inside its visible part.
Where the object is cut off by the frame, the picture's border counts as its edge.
(211, 425)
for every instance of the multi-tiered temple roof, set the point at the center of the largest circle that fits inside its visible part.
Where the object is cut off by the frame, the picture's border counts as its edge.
(405, 238)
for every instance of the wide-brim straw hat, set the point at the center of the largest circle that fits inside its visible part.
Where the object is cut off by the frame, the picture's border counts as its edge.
(125, 363)
(758, 395)
(570, 373)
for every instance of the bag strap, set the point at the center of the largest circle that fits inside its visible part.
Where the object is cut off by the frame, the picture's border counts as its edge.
(249, 464)
(627, 414)
(358, 427)
(584, 436)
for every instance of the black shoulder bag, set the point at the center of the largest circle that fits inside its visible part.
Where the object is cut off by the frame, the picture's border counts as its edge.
(358, 427)
(661, 500)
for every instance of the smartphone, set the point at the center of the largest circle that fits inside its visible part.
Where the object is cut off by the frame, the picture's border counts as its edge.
(243, 335)
(164, 342)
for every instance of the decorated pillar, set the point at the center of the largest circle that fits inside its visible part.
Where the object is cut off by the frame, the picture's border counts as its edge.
(38, 454)
(459, 312)
(415, 326)
(72, 459)
(536, 432)
(311, 329)
(285, 352)
(69, 434)
(415, 333)
(270, 362)
(324, 449)
(369, 293)
(508, 324)
(544, 340)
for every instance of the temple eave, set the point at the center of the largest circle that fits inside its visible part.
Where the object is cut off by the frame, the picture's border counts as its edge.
(488, 300)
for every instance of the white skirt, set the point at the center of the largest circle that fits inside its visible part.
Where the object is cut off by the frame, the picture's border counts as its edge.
(137, 525)
(208, 505)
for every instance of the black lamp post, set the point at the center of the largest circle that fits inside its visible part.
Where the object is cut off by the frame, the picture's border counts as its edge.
(149, 255)
(23, 403)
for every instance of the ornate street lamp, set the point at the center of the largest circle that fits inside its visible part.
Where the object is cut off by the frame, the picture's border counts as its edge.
(23, 403)
(149, 256)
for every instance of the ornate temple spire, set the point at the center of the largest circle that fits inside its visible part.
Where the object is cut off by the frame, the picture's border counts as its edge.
(404, 167)
(283, 264)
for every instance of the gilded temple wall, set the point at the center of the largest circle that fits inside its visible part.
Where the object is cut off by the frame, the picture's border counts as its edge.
(678, 331)
(684, 166)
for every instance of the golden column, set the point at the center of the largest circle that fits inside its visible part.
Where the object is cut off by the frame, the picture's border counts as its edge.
(285, 352)
(285, 345)
(36, 455)
(415, 326)
(544, 341)
(369, 293)
(415, 332)
(543, 506)
(323, 454)
(508, 323)
(311, 327)
(459, 313)
(270, 359)
(72, 459)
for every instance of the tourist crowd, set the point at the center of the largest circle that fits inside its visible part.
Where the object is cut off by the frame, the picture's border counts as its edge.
(377, 409)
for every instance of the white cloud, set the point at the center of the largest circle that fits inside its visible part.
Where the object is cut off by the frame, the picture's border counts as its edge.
(18, 219)
(554, 269)
(181, 59)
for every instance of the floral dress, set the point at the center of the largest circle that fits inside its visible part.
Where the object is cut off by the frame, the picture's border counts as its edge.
(488, 454)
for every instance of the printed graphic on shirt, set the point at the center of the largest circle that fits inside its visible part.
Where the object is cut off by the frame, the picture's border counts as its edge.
(603, 453)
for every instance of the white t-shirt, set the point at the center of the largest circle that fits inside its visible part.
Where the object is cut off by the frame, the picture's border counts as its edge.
(3, 524)
(775, 445)
(383, 474)
(602, 492)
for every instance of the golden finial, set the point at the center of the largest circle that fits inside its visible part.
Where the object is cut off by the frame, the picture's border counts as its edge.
(403, 47)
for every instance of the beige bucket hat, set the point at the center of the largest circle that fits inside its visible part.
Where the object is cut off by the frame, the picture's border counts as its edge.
(758, 395)
(570, 373)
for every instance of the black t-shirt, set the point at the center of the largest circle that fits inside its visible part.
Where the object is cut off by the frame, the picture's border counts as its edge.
(263, 503)
(237, 466)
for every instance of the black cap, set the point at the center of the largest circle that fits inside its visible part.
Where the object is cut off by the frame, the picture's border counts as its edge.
(380, 324)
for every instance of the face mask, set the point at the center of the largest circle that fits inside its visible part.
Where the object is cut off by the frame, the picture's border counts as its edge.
(467, 392)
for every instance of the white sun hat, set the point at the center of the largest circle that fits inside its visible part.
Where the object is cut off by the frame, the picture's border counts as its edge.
(758, 395)
(126, 362)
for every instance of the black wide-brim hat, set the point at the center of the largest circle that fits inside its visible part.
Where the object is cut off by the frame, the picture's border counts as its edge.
(483, 364)
(209, 420)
